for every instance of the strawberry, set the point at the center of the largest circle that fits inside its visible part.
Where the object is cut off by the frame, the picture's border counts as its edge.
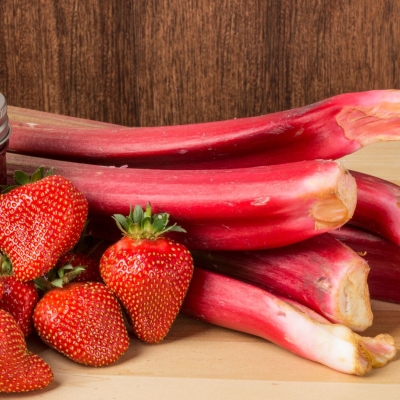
(40, 220)
(83, 321)
(19, 299)
(20, 370)
(148, 272)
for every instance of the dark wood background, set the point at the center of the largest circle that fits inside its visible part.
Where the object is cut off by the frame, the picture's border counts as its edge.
(161, 62)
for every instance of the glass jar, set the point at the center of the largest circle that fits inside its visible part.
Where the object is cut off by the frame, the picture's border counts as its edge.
(5, 132)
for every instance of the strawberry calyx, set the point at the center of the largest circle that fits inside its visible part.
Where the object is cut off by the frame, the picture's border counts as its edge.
(21, 178)
(58, 277)
(141, 224)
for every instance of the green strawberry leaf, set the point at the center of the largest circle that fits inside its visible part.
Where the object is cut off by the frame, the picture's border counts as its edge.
(37, 175)
(160, 221)
(122, 222)
(137, 215)
(145, 223)
(21, 178)
(57, 283)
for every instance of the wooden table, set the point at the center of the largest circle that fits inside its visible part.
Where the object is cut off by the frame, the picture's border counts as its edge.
(201, 361)
(143, 63)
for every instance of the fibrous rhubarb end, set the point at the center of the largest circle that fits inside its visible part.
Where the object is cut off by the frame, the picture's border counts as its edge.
(378, 350)
(354, 306)
(376, 120)
(338, 347)
(337, 207)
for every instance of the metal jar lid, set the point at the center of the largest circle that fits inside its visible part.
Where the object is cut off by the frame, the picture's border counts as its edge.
(5, 128)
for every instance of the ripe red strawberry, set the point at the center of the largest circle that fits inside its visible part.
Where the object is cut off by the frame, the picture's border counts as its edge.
(149, 273)
(40, 220)
(20, 370)
(83, 321)
(19, 299)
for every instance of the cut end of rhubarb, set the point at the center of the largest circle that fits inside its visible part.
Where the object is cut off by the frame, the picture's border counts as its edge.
(378, 351)
(337, 207)
(376, 119)
(354, 300)
(356, 354)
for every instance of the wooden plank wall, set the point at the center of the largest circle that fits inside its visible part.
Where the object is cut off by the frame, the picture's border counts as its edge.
(161, 62)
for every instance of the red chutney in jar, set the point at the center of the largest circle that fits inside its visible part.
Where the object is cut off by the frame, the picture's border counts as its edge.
(5, 132)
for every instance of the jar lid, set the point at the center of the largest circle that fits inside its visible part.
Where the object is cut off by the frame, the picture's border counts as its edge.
(5, 128)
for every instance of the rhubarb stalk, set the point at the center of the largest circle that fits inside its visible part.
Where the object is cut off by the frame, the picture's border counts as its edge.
(237, 305)
(249, 208)
(383, 257)
(329, 129)
(320, 272)
(378, 206)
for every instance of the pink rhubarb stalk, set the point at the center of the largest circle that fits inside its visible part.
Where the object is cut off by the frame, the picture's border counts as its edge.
(378, 206)
(383, 257)
(237, 305)
(249, 208)
(320, 272)
(329, 129)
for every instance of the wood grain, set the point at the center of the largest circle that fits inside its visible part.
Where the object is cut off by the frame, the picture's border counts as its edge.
(168, 62)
